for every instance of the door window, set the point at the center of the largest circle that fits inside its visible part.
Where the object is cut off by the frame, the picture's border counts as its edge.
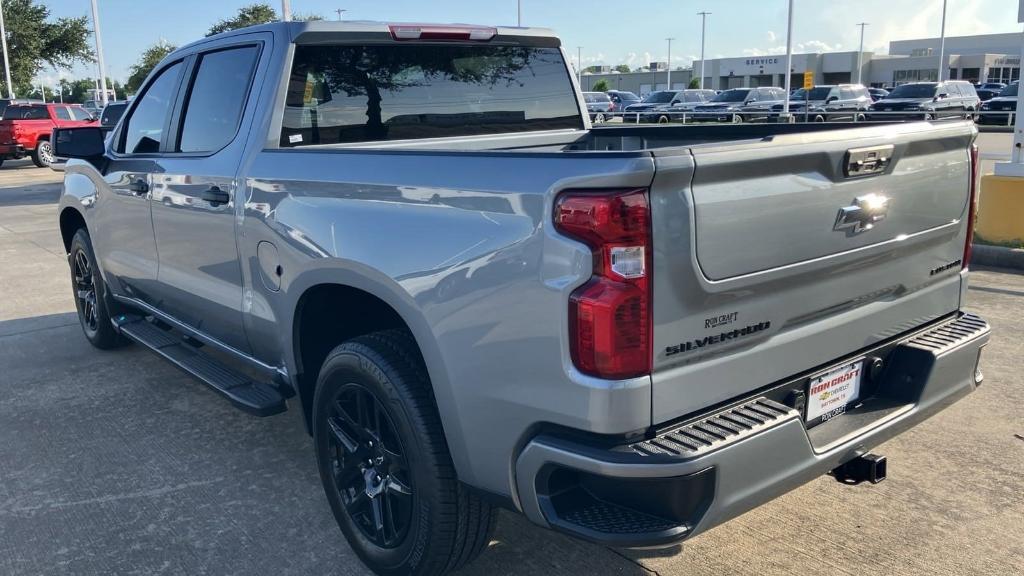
(213, 109)
(62, 112)
(145, 128)
(79, 113)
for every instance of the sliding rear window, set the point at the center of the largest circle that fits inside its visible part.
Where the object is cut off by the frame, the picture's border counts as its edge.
(345, 94)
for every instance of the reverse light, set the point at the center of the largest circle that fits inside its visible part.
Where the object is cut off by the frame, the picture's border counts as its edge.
(440, 32)
(609, 316)
(972, 208)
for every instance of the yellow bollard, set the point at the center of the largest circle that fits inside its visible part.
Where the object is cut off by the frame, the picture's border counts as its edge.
(1001, 210)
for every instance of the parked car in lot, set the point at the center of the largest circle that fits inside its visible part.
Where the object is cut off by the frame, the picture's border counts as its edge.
(997, 110)
(928, 101)
(111, 114)
(877, 93)
(985, 94)
(739, 105)
(599, 105)
(762, 104)
(840, 103)
(683, 104)
(622, 99)
(990, 86)
(629, 335)
(683, 101)
(656, 101)
(25, 129)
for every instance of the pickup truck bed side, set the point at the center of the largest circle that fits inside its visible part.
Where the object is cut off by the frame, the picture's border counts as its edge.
(456, 284)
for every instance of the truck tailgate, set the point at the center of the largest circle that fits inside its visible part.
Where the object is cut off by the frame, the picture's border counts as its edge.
(779, 256)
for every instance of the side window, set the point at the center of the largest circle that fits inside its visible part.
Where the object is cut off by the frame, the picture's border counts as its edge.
(62, 112)
(144, 130)
(213, 108)
(79, 113)
(846, 94)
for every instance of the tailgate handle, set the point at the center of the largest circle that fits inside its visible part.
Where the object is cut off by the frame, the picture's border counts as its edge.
(867, 161)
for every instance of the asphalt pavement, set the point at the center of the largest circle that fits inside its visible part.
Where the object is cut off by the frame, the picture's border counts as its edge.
(117, 463)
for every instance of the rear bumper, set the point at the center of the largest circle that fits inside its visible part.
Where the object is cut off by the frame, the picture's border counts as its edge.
(695, 475)
(12, 151)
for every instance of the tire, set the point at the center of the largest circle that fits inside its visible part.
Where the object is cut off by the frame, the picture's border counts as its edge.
(737, 119)
(599, 119)
(42, 156)
(394, 466)
(90, 293)
(663, 120)
(819, 118)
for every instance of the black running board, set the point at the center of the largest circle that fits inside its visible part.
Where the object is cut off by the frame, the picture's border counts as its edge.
(256, 398)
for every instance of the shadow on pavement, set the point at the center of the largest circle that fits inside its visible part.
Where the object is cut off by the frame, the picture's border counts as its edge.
(116, 462)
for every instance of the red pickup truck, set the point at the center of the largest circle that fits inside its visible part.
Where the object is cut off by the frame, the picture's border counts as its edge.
(25, 129)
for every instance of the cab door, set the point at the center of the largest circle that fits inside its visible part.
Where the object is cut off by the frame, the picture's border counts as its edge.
(122, 227)
(196, 196)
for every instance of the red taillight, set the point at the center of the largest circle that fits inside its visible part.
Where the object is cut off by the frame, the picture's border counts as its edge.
(610, 328)
(972, 208)
(436, 32)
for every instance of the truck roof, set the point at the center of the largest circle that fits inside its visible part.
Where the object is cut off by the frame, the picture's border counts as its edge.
(373, 30)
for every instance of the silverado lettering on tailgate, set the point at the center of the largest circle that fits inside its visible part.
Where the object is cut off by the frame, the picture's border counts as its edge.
(707, 341)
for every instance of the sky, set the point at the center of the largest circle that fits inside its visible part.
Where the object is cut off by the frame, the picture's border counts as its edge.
(609, 31)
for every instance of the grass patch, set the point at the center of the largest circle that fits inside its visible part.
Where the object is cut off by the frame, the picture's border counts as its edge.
(1015, 244)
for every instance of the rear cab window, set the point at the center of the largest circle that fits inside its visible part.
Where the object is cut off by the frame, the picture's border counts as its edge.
(355, 93)
(26, 113)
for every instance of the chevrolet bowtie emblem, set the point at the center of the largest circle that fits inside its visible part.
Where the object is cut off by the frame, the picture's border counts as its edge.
(863, 215)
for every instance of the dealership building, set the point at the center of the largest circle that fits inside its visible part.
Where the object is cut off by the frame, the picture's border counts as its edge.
(980, 58)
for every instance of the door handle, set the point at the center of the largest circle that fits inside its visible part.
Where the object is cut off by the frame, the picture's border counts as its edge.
(138, 187)
(215, 195)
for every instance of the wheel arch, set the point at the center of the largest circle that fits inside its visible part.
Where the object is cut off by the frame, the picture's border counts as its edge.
(332, 306)
(71, 221)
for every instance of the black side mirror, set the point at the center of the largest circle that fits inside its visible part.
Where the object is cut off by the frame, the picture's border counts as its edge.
(832, 99)
(84, 143)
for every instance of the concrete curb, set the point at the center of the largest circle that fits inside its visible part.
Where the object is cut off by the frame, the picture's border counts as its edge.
(997, 256)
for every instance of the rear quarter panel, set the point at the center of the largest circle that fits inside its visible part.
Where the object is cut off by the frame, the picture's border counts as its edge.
(460, 245)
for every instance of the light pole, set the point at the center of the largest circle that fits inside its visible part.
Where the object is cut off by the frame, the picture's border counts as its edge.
(860, 53)
(942, 45)
(789, 61)
(519, 13)
(286, 10)
(7, 63)
(99, 53)
(668, 78)
(340, 12)
(579, 65)
(703, 29)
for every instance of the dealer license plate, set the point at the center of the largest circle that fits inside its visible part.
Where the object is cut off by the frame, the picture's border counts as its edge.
(830, 393)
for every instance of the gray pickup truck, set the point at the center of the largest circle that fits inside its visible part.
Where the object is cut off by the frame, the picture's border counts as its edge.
(413, 235)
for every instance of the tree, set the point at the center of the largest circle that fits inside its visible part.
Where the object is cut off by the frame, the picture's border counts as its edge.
(254, 15)
(600, 86)
(34, 42)
(251, 15)
(149, 59)
(694, 83)
(622, 69)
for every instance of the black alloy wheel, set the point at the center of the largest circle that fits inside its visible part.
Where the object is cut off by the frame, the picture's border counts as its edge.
(369, 466)
(85, 291)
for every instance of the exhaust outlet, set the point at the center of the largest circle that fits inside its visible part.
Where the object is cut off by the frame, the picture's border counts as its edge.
(869, 467)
